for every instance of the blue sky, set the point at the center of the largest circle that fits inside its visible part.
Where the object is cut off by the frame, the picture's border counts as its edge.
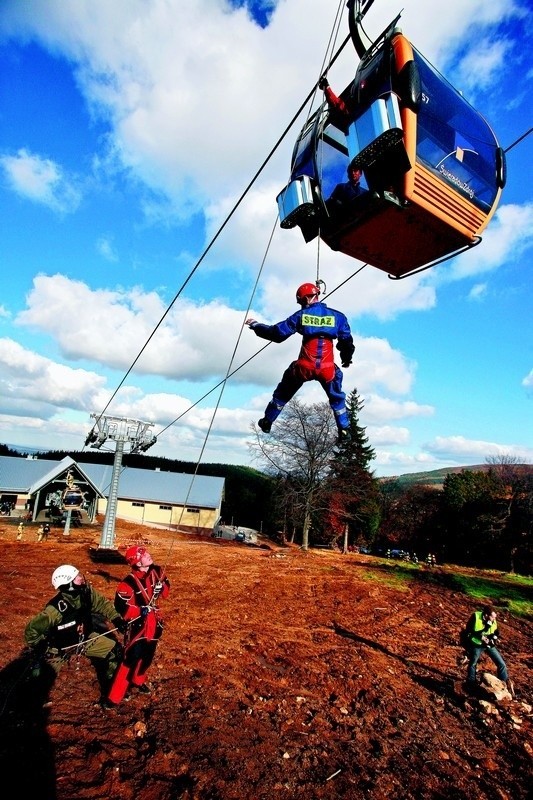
(128, 130)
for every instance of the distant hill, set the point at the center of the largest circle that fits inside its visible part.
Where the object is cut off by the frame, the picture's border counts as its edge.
(234, 475)
(436, 477)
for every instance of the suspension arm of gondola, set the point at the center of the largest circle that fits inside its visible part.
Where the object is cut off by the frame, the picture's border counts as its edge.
(356, 12)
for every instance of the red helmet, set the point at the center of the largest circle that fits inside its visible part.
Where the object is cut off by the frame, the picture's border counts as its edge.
(307, 290)
(134, 554)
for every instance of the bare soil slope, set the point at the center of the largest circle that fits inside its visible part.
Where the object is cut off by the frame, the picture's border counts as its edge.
(281, 674)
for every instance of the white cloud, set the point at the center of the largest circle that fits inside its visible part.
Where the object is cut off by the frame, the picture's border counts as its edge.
(42, 181)
(104, 246)
(405, 462)
(378, 409)
(32, 384)
(189, 122)
(528, 380)
(478, 68)
(387, 435)
(110, 327)
(478, 292)
(506, 238)
(165, 76)
(459, 447)
(163, 123)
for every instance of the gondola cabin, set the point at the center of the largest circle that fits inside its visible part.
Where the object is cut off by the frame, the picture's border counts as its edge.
(432, 169)
(71, 498)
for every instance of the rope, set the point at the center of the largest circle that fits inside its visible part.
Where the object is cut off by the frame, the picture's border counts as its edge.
(310, 96)
(329, 47)
(257, 353)
(223, 384)
(230, 372)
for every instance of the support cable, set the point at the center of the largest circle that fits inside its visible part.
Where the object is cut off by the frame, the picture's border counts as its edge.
(221, 228)
(323, 71)
(523, 136)
(244, 363)
(222, 385)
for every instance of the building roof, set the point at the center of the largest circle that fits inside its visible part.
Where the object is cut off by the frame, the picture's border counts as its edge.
(59, 469)
(18, 474)
(152, 486)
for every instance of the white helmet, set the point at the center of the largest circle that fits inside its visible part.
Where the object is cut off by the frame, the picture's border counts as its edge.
(64, 574)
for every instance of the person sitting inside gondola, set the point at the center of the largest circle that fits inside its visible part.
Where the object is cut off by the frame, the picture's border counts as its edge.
(347, 191)
(341, 200)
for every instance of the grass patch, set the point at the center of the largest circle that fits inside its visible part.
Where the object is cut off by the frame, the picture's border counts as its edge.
(397, 577)
(514, 595)
(502, 589)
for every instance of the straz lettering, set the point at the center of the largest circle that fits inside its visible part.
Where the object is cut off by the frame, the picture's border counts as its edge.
(318, 322)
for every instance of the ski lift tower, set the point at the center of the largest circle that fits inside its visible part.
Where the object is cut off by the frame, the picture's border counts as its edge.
(124, 432)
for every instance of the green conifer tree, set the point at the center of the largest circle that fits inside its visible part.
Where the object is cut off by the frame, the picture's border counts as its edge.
(353, 512)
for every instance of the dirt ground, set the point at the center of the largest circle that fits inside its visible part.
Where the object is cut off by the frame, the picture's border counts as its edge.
(281, 674)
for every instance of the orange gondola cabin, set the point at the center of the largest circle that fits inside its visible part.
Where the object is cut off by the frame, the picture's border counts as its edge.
(433, 169)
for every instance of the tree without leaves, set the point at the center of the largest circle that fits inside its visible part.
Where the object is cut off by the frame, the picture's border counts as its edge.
(299, 449)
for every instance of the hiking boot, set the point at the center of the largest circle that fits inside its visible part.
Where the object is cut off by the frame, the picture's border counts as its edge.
(265, 425)
(107, 705)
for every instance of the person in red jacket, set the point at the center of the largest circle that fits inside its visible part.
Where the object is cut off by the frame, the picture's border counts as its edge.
(136, 601)
(338, 110)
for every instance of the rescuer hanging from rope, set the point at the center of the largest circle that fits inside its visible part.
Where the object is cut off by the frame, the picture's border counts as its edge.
(319, 326)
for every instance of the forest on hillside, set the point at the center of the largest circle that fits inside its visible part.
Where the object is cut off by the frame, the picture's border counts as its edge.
(477, 516)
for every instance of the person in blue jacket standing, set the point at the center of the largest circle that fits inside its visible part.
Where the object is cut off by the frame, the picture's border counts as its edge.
(319, 326)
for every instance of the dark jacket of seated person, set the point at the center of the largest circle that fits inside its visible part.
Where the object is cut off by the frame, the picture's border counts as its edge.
(344, 193)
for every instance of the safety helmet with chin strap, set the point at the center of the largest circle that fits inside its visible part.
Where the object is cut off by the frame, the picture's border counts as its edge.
(306, 290)
(64, 574)
(134, 554)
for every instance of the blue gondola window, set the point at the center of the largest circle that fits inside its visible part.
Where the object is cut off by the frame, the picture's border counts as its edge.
(454, 140)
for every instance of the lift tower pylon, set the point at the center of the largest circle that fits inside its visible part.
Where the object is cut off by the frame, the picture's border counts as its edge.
(124, 432)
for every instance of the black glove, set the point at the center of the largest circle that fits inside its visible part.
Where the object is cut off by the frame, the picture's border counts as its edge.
(120, 624)
(39, 649)
(145, 610)
(323, 83)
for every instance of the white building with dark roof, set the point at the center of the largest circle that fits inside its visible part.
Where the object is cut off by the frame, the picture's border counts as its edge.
(38, 488)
